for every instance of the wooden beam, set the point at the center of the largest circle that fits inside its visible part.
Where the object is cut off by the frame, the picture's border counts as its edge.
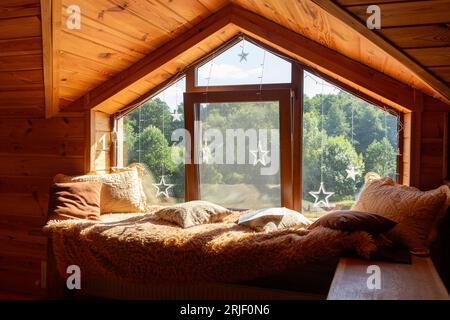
(56, 31)
(51, 26)
(442, 89)
(153, 61)
(47, 55)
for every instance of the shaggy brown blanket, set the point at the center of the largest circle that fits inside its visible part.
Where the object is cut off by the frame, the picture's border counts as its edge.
(141, 248)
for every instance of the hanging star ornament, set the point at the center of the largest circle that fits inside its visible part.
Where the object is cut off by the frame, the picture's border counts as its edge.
(352, 172)
(260, 155)
(163, 188)
(321, 197)
(243, 56)
(176, 116)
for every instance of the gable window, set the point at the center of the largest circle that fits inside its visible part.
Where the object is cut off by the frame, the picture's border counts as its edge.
(250, 128)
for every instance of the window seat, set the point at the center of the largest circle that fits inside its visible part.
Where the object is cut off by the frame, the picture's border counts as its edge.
(416, 281)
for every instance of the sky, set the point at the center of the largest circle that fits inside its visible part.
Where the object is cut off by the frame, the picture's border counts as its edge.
(227, 68)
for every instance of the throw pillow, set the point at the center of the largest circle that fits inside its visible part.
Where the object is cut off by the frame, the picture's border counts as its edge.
(76, 200)
(347, 220)
(415, 211)
(193, 213)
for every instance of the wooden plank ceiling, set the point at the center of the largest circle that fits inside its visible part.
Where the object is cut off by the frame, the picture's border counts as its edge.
(421, 29)
(105, 45)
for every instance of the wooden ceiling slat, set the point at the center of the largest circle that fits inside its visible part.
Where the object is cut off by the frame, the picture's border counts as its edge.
(95, 52)
(420, 36)
(431, 57)
(113, 16)
(408, 13)
(442, 72)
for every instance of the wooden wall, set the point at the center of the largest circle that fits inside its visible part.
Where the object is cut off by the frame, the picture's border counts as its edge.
(433, 160)
(32, 148)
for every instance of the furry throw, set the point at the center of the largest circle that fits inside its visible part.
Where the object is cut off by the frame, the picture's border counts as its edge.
(141, 248)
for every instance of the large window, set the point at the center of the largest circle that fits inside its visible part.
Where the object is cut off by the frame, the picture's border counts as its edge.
(235, 132)
(345, 141)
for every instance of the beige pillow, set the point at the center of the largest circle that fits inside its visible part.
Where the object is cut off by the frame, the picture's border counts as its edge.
(416, 212)
(193, 213)
(121, 192)
(270, 219)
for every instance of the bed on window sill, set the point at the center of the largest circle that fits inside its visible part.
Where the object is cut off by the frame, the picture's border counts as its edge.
(138, 256)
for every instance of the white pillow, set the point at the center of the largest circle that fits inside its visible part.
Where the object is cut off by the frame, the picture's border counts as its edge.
(269, 219)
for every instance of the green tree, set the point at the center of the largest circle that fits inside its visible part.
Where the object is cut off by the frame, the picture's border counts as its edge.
(381, 158)
(338, 155)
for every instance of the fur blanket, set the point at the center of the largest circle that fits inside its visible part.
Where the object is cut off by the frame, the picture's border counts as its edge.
(141, 248)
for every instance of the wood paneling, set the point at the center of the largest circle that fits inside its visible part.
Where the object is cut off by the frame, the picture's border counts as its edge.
(436, 35)
(408, 13)
(32, 149)
(431, 57)
(110, 50)
(418, 28)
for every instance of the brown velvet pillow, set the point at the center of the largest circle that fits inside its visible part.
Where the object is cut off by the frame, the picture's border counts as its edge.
(347, 220)
(75, 200)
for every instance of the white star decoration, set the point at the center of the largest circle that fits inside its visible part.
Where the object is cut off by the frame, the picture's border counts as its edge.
(176, 116)
(261, 157)
(163, 187)
(321, 197)
(352, 173)
(243, 56)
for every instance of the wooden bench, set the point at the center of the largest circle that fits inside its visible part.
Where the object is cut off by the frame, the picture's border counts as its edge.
(416, 281)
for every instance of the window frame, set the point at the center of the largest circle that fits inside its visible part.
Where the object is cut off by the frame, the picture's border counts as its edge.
(291, 187)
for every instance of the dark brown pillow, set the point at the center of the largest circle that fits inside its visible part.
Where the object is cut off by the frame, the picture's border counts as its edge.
(347, 220)
(75, 200)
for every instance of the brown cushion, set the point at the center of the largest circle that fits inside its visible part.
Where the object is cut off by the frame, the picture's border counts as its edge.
(193, 213)
(347, 220)
(415, 211)
(75, 200)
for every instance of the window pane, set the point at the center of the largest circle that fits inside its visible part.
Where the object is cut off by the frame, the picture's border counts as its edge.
(148, 140)
(345, 140)
(239, 150)
(244, 63)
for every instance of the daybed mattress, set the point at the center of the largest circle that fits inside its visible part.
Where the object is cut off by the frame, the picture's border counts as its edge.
(139, 248)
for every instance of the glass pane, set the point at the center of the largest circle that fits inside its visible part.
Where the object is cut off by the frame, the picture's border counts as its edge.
(244, 63)
(238, 152)
(345, 141)
(148, 140)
